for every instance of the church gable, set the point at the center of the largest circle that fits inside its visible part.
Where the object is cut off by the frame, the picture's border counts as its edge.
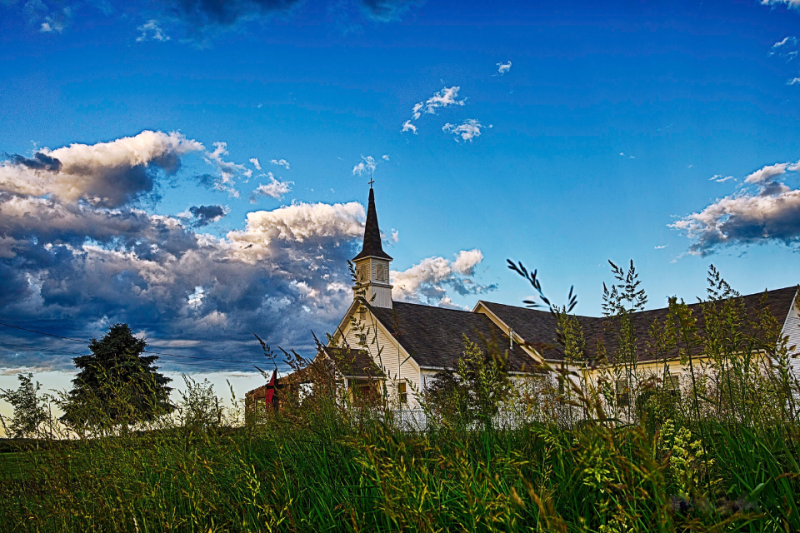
(361, 329)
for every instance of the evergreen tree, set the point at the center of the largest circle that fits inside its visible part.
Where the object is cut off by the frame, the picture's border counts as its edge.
(116, 384)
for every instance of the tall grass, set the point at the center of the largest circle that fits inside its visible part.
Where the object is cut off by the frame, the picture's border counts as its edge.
(724, 456)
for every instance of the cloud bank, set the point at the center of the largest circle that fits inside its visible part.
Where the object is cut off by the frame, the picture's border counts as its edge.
(78, 252)
(769, 211)
(104, 174)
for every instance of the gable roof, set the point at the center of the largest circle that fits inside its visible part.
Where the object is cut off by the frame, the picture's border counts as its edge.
(372, 234)
(434, 336)
(540, 326)
(352, 362)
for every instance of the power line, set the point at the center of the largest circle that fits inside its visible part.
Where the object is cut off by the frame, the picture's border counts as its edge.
(35, 349)
(42, 333)
(145, 351)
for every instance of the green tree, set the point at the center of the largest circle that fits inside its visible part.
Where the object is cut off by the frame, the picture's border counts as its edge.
(29, 408)
(475, 388)
(116, 384)
(199, 407)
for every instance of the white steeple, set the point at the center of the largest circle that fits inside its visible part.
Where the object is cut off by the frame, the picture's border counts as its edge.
(372, 264)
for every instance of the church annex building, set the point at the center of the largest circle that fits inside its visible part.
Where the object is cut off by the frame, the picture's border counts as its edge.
(406, 344)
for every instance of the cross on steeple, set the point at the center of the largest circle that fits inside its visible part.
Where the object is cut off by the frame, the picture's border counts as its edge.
(371, 180)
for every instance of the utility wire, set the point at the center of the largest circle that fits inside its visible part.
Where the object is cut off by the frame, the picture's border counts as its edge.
(42, 333)
(145, 351)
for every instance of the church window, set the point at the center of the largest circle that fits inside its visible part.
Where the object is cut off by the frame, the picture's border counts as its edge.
(672, 385)
(380, 273)
(364, 392)
(623, 393)
(363, 273)
(402, 393)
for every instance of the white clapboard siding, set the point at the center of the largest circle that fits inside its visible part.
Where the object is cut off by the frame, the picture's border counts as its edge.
(388, 354)
(791, 328)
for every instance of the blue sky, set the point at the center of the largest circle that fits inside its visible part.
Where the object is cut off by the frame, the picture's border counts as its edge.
(561, 135)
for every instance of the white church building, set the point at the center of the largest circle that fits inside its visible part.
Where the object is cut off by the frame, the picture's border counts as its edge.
(403, 345)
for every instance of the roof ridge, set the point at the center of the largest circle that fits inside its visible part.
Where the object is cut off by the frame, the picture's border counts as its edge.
(755, 294)
(435, 307)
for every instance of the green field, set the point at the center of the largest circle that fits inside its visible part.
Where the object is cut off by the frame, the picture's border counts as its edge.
(323, 472)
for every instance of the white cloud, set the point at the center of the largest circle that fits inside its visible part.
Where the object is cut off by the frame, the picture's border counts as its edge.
(766, 173)
(56, 21)
(786, 41)
(502, 68)
(793, 81)
(395, 236)
(429, 280)
(280, 162)
(385, 157)
(447, 97)
(719, 178)
(790, 3)
(466, 260)
(296, 223)
(151, 31)
(255, 163)
(444, 98)
(109, 174)
(408, 126)
(770, 213)
(275, 189)
(470, 129)
(227, 170)
(196, 298)
(367, 164)
(661, 247)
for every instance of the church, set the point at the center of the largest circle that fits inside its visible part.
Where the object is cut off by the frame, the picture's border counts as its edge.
(403, 345)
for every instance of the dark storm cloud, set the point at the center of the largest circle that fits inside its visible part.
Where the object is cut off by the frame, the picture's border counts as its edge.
(388, 10)
(202, 13)
(39, 161)
(207, 214)
(80, 268)
(197, 21)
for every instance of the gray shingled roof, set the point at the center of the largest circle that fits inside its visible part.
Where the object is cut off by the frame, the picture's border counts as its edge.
(372, 234)
(540, 326)
(351, 362)
(433, 336)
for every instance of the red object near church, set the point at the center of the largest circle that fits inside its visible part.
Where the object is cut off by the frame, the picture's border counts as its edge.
(270, 394)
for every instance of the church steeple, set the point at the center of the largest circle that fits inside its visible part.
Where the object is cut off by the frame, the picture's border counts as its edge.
(372, 263)
(372, 234)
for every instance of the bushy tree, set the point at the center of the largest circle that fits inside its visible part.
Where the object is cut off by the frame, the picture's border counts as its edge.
(199, 407)
(116, 384)
(30, 411)
(475, 389)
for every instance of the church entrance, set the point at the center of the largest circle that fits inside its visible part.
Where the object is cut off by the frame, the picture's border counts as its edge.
(364, 392)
